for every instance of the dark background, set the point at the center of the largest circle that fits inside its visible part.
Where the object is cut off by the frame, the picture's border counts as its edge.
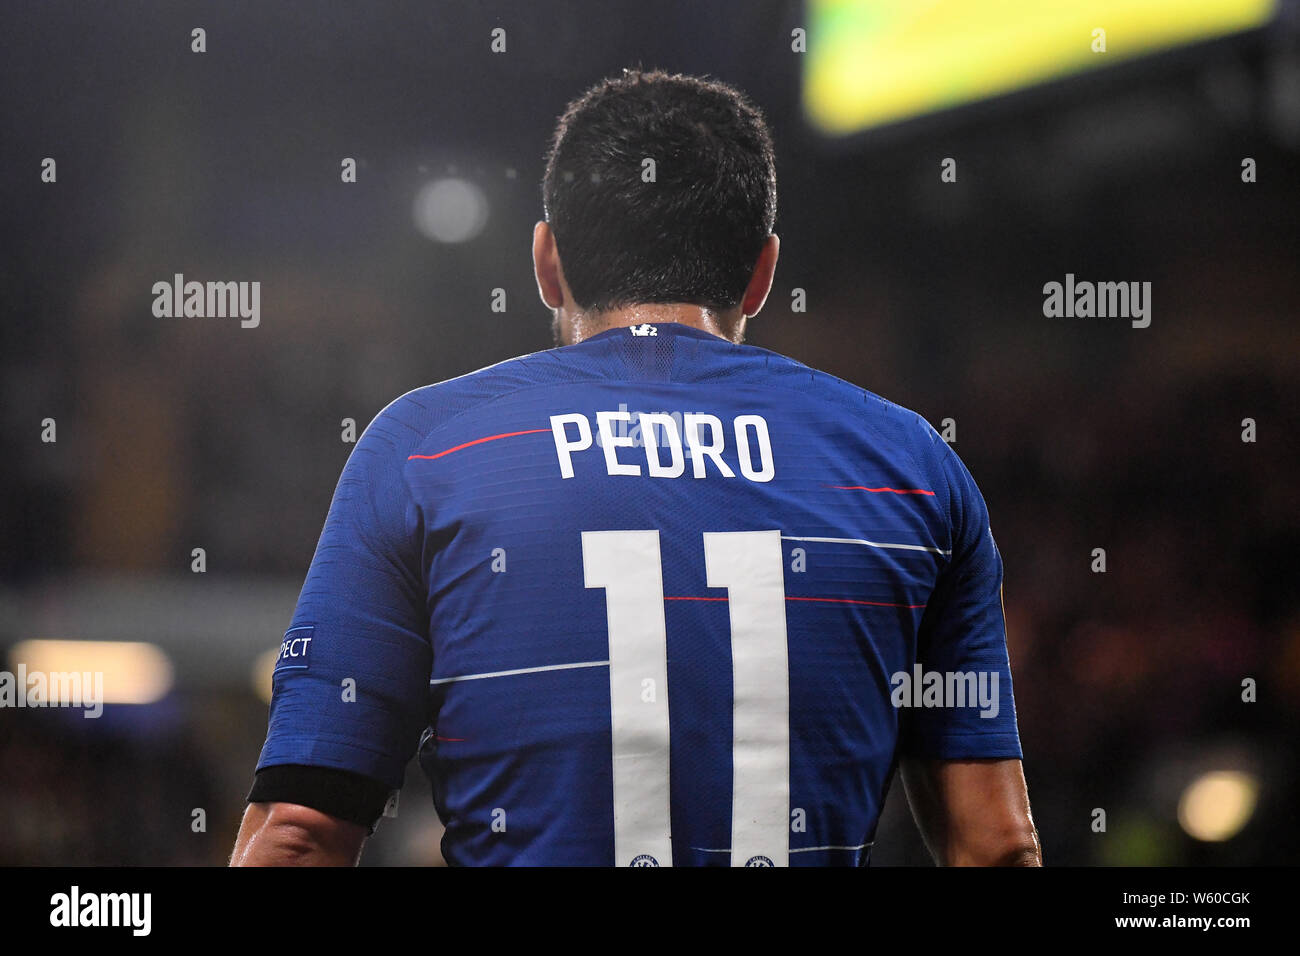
(1082, 433)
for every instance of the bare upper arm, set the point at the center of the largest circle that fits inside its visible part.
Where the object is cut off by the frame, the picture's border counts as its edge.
(287, 834)
(973, 812)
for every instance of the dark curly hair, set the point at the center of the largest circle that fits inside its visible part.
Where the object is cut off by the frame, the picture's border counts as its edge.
(692, 232)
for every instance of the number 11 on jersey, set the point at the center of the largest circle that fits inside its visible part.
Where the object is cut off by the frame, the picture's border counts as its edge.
(749, 565)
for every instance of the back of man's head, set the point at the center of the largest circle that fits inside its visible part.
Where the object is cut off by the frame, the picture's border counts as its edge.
(660, 188)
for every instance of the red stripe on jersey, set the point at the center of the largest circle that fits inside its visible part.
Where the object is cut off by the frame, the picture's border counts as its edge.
(853, 601)
(789, 598)
(895, 491)
(479, 441)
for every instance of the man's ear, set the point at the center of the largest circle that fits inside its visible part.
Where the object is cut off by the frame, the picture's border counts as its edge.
(546, 266)
(760, 283)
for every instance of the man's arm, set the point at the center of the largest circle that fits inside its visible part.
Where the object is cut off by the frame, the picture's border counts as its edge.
(350, 684)
(972, 812)
(286, 834)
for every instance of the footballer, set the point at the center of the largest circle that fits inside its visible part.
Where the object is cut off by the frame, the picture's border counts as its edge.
(647, 598)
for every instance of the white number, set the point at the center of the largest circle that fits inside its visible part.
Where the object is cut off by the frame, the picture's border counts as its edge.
(749, 565)
(626, 564)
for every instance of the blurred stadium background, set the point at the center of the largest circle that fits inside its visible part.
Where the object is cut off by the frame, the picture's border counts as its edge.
(176, 434)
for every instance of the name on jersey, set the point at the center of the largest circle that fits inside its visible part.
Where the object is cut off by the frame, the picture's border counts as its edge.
(669, 441)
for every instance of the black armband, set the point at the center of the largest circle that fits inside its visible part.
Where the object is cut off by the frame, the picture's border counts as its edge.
(339, 793)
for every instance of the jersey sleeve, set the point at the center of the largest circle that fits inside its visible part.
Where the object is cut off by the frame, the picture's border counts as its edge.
(962, 638)
(350, 684)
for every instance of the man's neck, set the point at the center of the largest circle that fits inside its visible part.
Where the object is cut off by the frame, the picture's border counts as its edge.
(728, 324)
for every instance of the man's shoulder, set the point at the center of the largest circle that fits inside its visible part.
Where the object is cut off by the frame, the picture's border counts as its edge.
(422, 410)
(890, 419)
(417, 413)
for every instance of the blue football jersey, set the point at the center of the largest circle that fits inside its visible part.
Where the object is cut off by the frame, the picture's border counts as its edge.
(651, 599)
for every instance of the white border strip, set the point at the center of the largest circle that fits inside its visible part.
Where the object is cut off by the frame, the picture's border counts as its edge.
(811, 849)
(869, 544)
(521, 670)
(796, 849)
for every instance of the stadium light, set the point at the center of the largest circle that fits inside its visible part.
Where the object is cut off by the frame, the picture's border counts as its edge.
(263, 668)
(450, 210)
(872, 62)
(1216, 805)
(133, 672)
